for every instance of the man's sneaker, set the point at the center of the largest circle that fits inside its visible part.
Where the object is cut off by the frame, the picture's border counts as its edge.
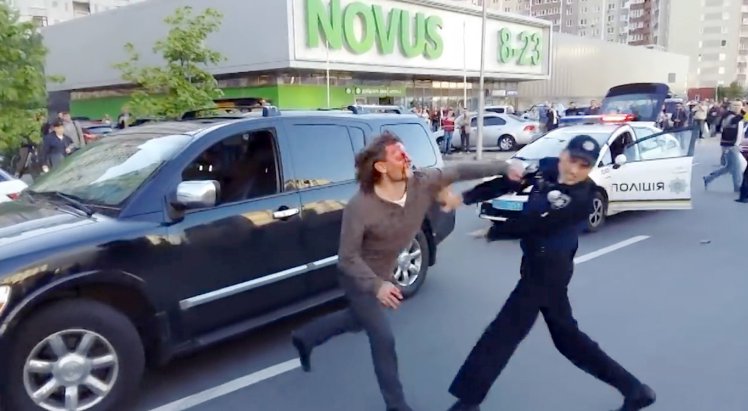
(643, 397)
(742, 200)
(304, 353)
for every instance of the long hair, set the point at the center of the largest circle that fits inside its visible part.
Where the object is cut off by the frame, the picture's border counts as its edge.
(366, 175)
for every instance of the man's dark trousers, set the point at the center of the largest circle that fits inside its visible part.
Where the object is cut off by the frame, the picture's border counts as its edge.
(365, 313)
(542, 288)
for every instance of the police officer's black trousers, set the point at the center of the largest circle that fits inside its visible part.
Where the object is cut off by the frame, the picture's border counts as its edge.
(744, 186)
(542, 288)
(365, 313)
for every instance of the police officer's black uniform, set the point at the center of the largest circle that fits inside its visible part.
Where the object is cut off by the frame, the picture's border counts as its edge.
(549, 227)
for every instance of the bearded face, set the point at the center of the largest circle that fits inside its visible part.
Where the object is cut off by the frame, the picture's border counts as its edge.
(397, 163)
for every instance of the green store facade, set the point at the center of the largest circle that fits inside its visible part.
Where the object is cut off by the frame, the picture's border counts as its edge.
(304, 54)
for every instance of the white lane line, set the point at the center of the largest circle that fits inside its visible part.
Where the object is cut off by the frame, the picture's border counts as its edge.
(282, 368)
(229, 387)
(609, 249)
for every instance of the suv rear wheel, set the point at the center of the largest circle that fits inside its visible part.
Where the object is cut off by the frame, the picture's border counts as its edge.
(77, 355)
(412, 265)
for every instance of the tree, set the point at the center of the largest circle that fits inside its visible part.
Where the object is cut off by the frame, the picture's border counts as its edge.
(182, 83)
(733, 91)
(23, 84)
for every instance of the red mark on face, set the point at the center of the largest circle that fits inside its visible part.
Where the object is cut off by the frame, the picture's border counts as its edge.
(396, 154)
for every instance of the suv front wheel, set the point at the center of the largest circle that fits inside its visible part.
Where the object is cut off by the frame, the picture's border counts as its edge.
(78, 355)
(412, 265)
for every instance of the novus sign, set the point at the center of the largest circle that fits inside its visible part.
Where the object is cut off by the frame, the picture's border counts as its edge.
(410, 37)
(416, 34)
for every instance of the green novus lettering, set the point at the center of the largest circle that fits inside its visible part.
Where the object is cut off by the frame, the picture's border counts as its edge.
(317, 18)
(367, 25)
(338, 27)
(386, 30)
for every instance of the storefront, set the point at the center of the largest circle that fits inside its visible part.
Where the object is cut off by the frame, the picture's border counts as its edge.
(316, 53)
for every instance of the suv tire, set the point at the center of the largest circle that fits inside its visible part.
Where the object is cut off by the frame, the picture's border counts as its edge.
(115, 348)
(417, 255)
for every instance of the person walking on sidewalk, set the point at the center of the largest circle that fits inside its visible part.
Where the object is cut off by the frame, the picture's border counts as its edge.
(556, 210)
(378, 223)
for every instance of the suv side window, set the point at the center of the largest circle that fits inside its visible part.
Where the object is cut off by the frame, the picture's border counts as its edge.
(322, 154)
(246, 166)
(416, 140)
(357, 138)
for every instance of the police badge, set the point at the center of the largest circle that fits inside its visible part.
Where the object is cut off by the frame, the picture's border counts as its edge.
(558, 200)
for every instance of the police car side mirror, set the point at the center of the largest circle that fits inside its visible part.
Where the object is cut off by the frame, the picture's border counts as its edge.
(620, 160)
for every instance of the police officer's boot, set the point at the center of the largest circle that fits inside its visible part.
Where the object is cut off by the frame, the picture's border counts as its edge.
(463, 406)
(641, 398)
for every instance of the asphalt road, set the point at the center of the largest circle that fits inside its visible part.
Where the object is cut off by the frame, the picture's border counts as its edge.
(668, 300)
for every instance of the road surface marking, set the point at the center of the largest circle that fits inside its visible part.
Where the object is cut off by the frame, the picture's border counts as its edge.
(229, 387)
(284, 367)
(609, 249)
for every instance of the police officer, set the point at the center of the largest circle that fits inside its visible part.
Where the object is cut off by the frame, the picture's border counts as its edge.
(556, 211)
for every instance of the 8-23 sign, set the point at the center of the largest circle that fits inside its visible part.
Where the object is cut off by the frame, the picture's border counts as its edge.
(527, 54)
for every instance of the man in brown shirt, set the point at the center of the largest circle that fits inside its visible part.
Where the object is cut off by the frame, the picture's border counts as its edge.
(378, 223)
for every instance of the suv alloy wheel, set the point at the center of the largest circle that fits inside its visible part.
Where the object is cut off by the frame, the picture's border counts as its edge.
(79, 355)
(412, 265)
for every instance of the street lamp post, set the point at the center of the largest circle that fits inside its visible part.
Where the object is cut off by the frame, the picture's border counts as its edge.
(327, 70)
(481, 96)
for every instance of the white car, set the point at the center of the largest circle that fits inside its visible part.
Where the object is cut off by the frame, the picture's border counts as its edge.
(503, 131)
(640, 168)
(10, 187)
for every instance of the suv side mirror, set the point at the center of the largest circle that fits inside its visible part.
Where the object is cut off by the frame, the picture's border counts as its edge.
(620, 160)
(197, 194)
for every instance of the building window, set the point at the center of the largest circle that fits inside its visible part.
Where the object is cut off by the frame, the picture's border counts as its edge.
(40, 21)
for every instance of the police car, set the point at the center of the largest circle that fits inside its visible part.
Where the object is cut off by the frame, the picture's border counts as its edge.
(640, 166)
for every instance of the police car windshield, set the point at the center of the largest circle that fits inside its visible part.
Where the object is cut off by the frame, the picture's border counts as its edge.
(553, 143)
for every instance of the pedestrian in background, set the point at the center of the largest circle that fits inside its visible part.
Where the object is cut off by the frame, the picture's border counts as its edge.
(55, 147)
(556, 210)
(464, 124)
(448, 125)
(733, 132)
(699, 118)
(379, 221)
(73, 130)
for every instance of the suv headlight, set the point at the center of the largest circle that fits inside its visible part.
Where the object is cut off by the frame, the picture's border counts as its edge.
(4, 296)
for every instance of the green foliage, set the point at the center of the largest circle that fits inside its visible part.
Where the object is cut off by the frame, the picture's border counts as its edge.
(182, 83)
(23, 84)
(733, 91)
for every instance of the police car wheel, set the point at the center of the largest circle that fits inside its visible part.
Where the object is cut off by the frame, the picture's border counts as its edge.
(506, 142)
(596, 218)
(412, 265)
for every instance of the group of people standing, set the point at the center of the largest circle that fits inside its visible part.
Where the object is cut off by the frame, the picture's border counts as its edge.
(732, 128)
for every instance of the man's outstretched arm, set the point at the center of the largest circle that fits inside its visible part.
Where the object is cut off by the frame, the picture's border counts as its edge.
(440, 178)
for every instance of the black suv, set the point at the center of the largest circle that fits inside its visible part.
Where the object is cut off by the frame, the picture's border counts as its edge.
(175, 235)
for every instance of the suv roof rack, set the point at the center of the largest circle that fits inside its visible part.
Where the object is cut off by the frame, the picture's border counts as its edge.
(373, 108)
(230, 112)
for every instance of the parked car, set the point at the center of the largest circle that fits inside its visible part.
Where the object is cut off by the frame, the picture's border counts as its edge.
(10, 187)
(175, 235)
(503, 131)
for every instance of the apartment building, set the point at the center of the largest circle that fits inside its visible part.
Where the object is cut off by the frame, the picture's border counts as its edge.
(634, 22)
(46, 12)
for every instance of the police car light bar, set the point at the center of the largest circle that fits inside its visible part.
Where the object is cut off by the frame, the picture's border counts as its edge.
(617, 118)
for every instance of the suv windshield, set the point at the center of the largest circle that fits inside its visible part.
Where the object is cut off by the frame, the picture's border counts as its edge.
(553, 143)
(109, 171)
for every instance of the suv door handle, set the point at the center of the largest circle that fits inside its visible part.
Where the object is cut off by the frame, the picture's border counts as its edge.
(285, 213)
